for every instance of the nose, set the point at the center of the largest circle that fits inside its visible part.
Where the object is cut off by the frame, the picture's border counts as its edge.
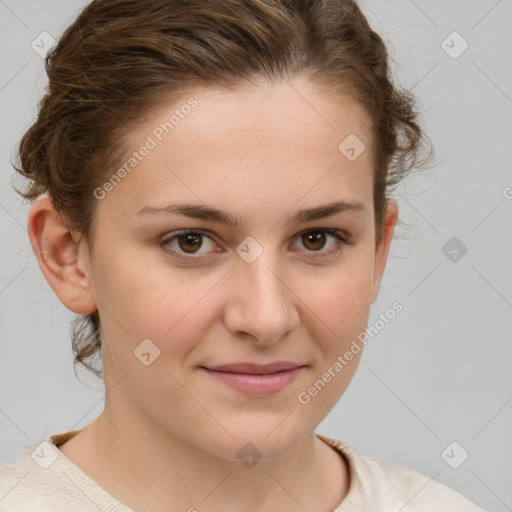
(263, 305)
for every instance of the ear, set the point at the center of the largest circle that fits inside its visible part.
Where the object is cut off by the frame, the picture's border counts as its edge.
(62, 256)
(382, 246)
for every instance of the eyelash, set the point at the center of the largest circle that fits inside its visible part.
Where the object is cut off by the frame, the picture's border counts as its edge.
(337, 234)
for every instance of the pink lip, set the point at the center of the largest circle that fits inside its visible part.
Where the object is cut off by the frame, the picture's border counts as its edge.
(253, 379)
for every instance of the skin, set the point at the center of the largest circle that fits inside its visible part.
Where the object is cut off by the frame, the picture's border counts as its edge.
(168, 428)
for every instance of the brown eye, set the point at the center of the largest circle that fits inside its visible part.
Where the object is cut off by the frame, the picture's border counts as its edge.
(322, 242)
(190, 242)
(314, 240)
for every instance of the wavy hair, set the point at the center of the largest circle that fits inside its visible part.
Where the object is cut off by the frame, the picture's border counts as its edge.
(120, 58)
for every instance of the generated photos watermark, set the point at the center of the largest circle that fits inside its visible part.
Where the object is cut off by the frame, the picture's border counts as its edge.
(305, 397)
(151, 142)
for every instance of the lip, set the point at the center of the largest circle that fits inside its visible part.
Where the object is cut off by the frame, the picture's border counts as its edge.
(254, 379)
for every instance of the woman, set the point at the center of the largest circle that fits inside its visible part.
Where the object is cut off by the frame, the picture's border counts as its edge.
(211, 194)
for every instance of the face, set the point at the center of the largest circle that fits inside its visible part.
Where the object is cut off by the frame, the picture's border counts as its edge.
(221, 246)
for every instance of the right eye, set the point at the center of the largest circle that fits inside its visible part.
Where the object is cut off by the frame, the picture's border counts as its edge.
(186, 243)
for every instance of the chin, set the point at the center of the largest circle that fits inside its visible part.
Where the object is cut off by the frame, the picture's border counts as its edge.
(257, 442)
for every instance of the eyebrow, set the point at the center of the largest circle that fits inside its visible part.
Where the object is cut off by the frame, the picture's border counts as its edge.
(208, 213)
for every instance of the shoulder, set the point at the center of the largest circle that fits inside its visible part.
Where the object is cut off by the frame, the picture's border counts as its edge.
(380, 485)
(24, 483)
(421, 493)
(42, 479)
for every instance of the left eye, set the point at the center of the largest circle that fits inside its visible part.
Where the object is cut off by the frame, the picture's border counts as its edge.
(187, 243)
(316, 240)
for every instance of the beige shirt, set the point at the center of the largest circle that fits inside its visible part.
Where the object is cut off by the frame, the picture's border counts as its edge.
(43, 479)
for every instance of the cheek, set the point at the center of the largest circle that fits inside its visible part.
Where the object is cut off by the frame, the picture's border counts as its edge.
(341, 309)
(173, 307)
(162, 304)
(341, 297)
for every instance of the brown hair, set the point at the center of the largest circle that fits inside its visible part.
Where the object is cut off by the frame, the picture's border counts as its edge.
(120, 58)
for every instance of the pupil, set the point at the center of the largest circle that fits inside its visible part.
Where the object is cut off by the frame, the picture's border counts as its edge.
(314, 238)
(192, 242)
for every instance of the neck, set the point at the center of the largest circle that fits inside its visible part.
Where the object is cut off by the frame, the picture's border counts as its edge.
(176, 475)
(125, 452)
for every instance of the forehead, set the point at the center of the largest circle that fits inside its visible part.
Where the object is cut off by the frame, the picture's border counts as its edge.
(268, 143)
(297, 111)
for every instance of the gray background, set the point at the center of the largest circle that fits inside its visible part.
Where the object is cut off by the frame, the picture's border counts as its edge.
(440, 371)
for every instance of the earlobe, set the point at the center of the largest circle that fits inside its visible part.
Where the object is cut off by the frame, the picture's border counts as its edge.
(59, 257)
(382, 246)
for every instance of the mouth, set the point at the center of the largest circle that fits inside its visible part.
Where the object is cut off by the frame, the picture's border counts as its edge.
(254, 379)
